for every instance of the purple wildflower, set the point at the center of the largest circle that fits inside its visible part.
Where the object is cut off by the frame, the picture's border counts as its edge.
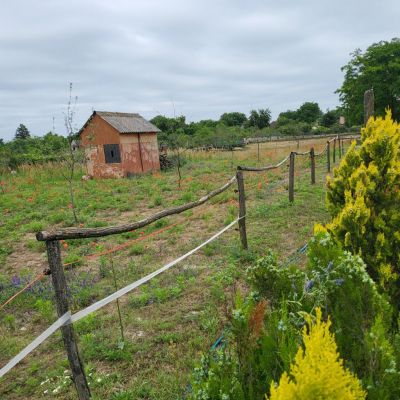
(16, 280)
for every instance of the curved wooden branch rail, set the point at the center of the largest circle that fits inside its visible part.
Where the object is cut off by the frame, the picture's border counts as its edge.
(81, 233)
(322, 151)
(267, 168)
(306, 153)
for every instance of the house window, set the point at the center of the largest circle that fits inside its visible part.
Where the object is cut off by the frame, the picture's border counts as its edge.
(112, 153)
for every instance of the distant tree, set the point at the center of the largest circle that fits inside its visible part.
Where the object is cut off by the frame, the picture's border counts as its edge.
(308, 112)
(233, 119)
(22, 132)
(209, 123)
(53, 143)
(259, 119)
(169, 125)
(192, 128)
(285, 118)
(378, 68)
(330, 118)
(203, 136)
(288, 115)
(1, 142)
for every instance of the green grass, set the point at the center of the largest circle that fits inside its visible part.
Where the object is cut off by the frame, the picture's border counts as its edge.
(172, 319)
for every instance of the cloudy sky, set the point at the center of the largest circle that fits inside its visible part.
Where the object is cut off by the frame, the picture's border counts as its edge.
(196, 58)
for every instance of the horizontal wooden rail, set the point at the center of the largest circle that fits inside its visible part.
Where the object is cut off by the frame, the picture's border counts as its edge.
(81, 233)
(267, 168)
(350, 138)
(306, 153)
(322, 151)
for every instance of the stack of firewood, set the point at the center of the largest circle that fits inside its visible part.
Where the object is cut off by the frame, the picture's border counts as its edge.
(165, 162)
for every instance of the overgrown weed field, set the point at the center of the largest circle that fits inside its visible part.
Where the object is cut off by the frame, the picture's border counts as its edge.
(170, 321)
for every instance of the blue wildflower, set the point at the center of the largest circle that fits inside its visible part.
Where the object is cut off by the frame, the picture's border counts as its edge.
(309, 285)
(339, 281)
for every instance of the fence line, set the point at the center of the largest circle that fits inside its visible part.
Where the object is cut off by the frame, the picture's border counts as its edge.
(292, 157)
(272, 139)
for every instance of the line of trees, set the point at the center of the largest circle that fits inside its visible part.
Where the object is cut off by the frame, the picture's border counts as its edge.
(230, 129)
(226, 132)
(26, 149)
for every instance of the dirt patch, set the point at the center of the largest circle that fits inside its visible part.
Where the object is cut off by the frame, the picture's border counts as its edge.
(23, 258)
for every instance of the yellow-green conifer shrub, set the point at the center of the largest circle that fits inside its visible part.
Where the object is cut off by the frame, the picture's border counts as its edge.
(363, 198)
(317, 372)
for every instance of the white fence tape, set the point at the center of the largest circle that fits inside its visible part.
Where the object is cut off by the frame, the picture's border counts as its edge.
(32, 346)
(101, 303)
(67, 318)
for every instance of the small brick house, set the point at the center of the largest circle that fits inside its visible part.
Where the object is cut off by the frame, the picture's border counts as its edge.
(119, 144)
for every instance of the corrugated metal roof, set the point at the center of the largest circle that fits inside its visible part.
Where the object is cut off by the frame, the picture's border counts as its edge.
(127, 122)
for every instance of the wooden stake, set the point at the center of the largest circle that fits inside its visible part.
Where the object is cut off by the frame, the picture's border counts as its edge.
(291, 176)
(340, 148)
(242, 209)
(312, 161)
(328, 157)
(334, 151)
(60, 289)
(368, 104)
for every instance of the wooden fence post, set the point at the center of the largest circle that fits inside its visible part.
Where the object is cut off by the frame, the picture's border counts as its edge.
(334, 151)
(340, 148)
(328, 156)
(368, 105)
(60, 289)
(291, 176)
(242, 208)
(312, 160)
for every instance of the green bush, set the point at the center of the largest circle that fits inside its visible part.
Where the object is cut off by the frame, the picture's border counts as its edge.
(274, 282)
(262, 344)
(363, 199)
(263, 341)
(216, 378)
(343, 287)
(381, 372)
